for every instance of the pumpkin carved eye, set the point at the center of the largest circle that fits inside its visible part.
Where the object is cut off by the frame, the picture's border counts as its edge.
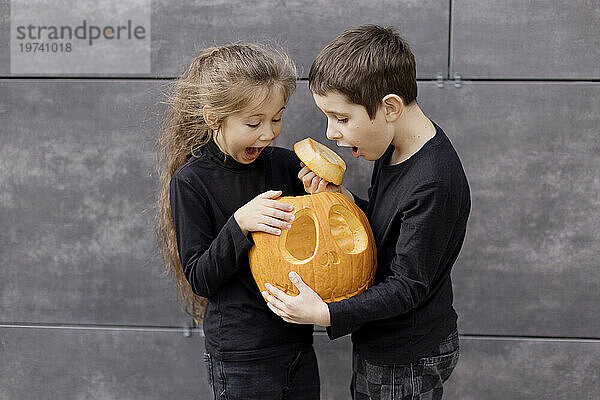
(299, 243)
(347, 230)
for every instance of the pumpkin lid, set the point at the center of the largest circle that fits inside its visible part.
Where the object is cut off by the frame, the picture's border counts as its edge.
(323, 161)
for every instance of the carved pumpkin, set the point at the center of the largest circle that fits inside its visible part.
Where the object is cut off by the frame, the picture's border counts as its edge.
(330, 245)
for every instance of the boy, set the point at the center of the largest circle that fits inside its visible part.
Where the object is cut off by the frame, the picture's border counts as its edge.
(404, 333)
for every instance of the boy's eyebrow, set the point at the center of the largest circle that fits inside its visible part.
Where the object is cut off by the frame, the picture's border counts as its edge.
(262, 114)
(336, 112)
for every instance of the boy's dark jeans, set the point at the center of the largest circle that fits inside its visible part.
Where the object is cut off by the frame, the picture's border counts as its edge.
(419, 380)
(289, 377)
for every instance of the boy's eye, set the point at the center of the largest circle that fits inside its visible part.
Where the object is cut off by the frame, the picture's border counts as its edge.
(277, 120)
(342, 120)
(253, 125)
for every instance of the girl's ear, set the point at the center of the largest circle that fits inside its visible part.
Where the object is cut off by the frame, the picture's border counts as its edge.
(393, 105)
(210, 117)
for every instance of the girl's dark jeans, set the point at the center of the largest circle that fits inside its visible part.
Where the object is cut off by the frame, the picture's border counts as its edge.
(419, 380)
(289, 377)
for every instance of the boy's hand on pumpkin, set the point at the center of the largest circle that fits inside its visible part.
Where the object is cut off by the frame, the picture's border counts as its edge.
(315, 184)
(305, 308)
(264, 214)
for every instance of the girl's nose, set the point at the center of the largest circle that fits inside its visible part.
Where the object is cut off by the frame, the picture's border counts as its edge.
(269, 133)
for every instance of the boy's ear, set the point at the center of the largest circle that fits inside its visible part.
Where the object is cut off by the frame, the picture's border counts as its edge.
(393, 105)
(210, 117)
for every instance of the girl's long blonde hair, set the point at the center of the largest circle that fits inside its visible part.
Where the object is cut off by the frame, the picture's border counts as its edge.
(228, 79)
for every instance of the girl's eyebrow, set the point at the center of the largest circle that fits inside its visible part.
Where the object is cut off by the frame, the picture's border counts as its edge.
(262, 114)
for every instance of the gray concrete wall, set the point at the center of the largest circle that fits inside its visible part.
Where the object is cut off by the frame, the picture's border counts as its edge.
(85, 311)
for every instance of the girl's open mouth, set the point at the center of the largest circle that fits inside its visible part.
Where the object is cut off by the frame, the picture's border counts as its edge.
(355, 152)
(252, 153)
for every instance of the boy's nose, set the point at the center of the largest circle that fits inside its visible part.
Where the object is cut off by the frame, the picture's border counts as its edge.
(331, 133)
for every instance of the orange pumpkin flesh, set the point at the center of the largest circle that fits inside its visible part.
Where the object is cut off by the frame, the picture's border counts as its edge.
(330, 245)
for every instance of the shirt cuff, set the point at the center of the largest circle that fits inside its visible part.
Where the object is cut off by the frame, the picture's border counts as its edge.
(242, 242)
(339, 325)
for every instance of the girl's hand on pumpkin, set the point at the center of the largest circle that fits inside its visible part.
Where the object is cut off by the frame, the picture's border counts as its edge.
(315, 184)
(264, 214)
(305, 308)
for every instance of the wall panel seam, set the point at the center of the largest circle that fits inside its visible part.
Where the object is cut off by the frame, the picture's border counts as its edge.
(432, 79)
(318, 332)
(450, 39)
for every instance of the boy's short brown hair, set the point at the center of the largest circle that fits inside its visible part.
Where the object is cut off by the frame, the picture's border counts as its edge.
(366, 63)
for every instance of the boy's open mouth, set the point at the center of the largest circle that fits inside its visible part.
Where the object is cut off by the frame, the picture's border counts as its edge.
(252, 153)
(355, 152)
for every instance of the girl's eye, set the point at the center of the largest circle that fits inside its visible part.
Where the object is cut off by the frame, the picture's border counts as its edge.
(277, 120)
(342, 120)
(253, 125)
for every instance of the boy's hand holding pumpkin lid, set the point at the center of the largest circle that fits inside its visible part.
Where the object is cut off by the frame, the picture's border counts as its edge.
(320, 159)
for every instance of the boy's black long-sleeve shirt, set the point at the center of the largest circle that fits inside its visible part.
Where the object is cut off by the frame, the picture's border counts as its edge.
(205, 192)
(418, 210)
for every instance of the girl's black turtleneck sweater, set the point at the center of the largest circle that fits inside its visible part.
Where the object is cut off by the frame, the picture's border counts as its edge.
(205, 192)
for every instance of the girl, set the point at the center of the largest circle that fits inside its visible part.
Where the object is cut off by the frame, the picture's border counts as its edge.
(218, 183)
